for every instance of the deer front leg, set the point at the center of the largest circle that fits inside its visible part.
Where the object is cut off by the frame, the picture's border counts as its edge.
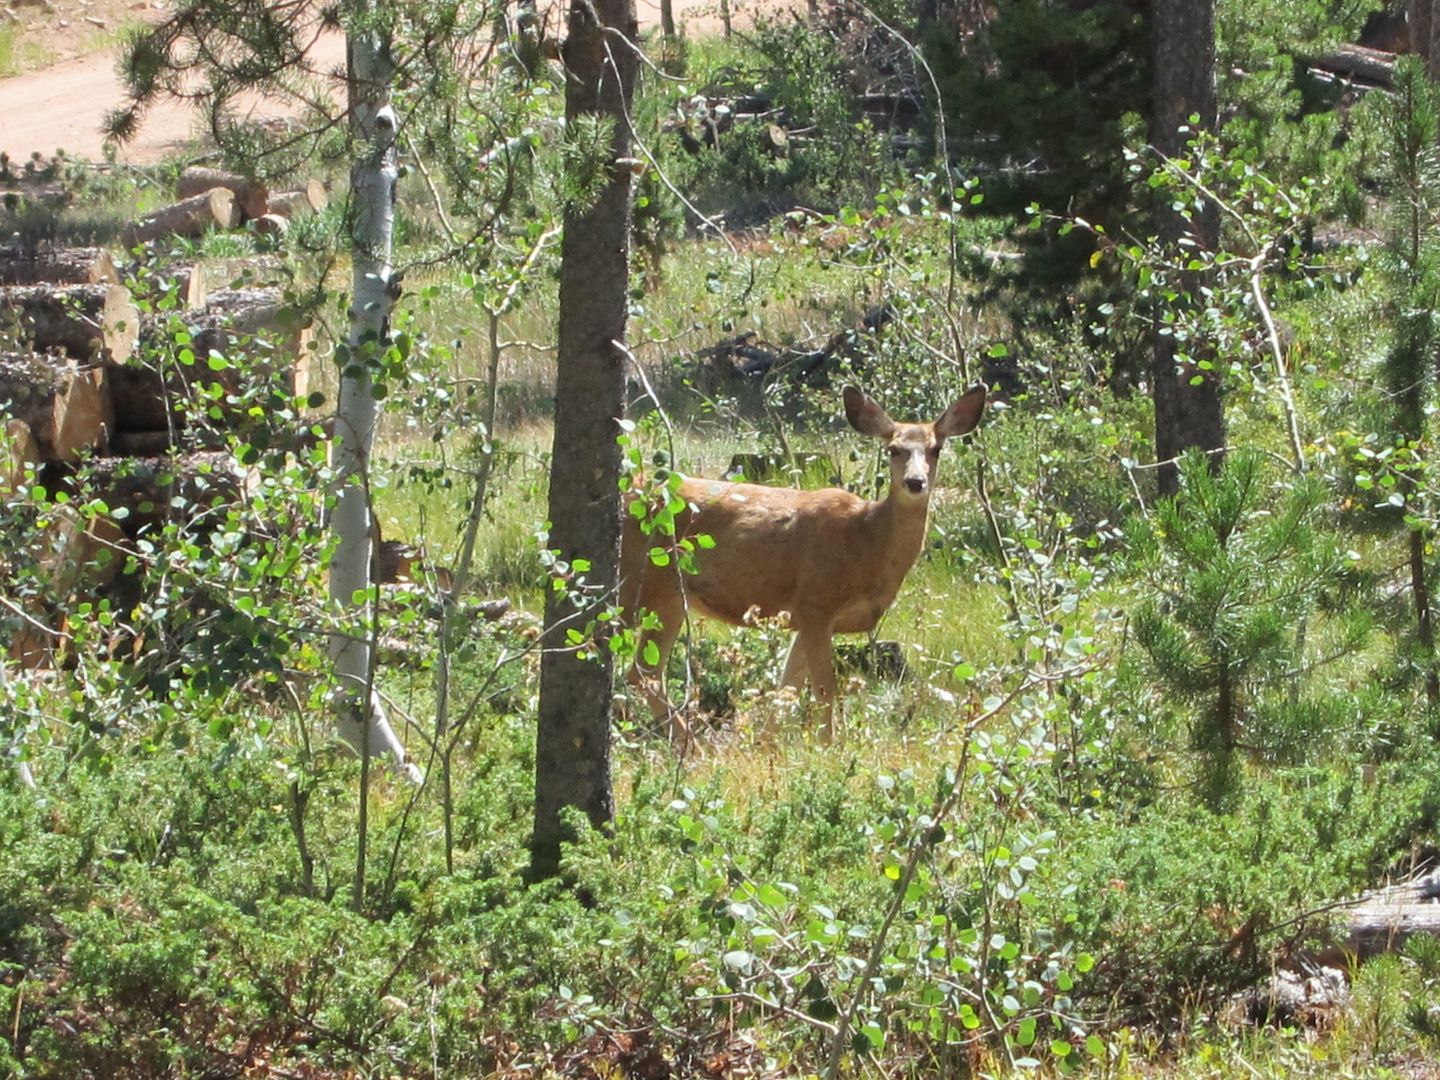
(814, 640)
(650, 680)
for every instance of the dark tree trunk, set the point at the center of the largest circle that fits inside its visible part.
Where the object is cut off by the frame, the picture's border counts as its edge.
(572, 756)
(1420, 19)
(1186, 415)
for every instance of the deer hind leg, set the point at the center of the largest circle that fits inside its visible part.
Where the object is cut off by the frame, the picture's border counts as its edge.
(796, 666)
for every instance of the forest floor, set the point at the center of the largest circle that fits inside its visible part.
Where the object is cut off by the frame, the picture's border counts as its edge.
(65, 81)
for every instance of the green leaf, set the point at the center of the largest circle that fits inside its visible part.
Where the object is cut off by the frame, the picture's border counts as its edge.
(651, 653)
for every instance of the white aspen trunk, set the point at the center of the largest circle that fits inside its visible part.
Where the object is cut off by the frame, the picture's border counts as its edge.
(361, 716)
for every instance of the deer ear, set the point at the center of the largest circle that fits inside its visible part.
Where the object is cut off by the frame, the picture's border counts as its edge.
(865, 416)
(962, 416)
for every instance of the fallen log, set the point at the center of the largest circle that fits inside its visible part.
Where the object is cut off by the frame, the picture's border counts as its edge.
(65, 406)
(89, 322)
(247, 272)
(141, 443)
(214, 209)
(75, 555)
(1383, 919)
(57, 266)
(746, 356)
(310, 199)
(251, 196)
(1357, 62)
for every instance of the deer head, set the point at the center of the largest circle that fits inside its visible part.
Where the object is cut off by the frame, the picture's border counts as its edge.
(913, 448)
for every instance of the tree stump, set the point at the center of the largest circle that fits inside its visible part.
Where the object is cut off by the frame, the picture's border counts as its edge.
(251, 196)
(214, 209)
(65, 406)
(90, 322)
(57, 266)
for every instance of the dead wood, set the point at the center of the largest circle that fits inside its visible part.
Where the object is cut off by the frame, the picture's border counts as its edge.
(270, 225)
(251, 196)
(1370, 66)
(65, 406)
(245, 339)
(57, 266)
(310, 199)
(1383, 919)
(213, 209)
(193, 489)
(18, 449)
(87, 321)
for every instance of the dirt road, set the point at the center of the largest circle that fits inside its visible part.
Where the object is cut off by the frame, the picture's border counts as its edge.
(64, 105)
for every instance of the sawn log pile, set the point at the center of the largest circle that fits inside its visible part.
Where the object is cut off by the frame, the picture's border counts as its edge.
(101, 401)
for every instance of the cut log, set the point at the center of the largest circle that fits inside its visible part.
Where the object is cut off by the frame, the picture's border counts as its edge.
(65, 406)
(90, 322)
(18, 449)
(214, 209)
(57, 266)
(310, 199)
(191, 488)
(189, 283)
(257, 336)
(251, 196)
(141, 443)
(247, 272)
(76, 555)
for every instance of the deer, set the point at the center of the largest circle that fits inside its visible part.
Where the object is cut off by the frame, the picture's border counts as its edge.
(825, 562)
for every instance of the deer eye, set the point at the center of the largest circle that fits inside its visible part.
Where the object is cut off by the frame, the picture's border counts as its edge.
(897, 452)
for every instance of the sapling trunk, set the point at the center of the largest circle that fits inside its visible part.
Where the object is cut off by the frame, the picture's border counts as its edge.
(373, 177)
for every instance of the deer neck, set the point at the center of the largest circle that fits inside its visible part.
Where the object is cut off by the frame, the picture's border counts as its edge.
(902, 522)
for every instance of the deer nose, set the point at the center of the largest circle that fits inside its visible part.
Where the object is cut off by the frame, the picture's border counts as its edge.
(915, 484)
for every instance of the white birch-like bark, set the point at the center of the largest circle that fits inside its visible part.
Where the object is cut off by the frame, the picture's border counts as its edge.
(373, 176)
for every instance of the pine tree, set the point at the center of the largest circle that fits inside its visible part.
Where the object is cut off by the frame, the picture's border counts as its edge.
(1412, 123)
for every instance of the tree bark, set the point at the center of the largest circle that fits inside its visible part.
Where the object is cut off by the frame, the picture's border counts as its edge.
(572, 760)
(373, 176)
(1186, 415)
(264, 338)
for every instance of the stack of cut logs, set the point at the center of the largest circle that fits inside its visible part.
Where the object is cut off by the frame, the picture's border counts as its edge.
(212, 199)
(88, 382)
